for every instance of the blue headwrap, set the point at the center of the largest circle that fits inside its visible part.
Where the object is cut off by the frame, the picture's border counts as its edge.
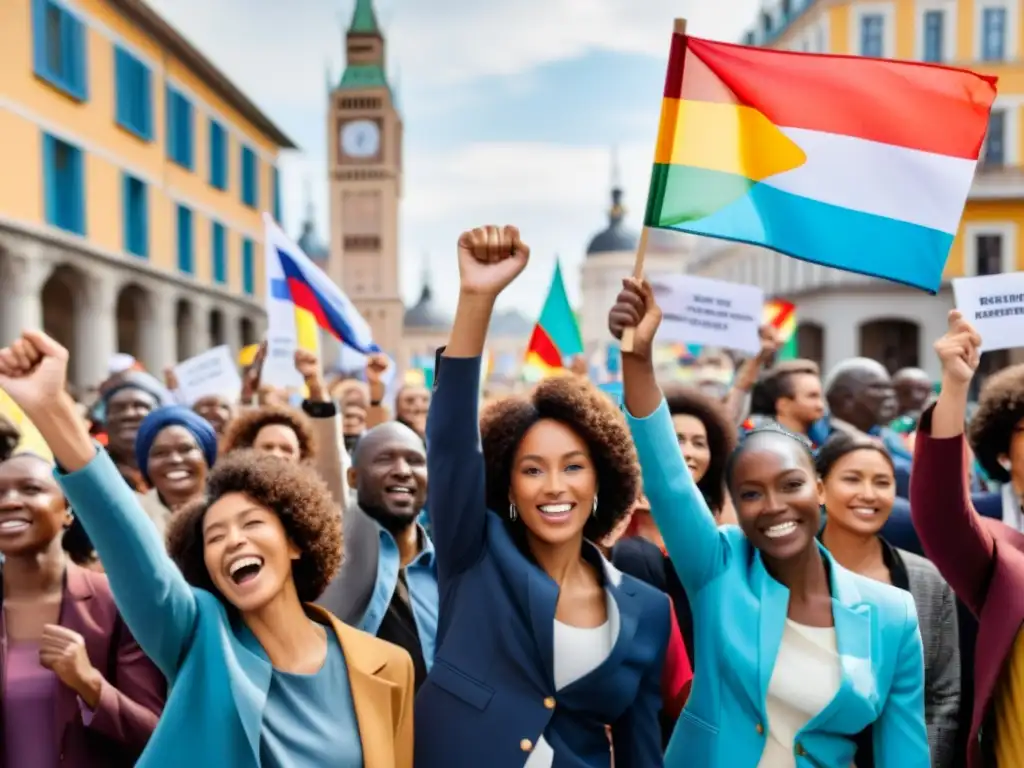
(173, 416)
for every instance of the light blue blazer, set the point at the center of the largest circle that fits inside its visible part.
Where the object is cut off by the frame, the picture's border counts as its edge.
(739, 613)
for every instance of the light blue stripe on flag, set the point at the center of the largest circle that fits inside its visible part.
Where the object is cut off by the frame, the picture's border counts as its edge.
(279, 290)
(832, 236)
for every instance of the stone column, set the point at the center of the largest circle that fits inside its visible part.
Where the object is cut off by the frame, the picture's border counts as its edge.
(232, 333)
(199, 340)
(22, 277)
(95, 328)
(160, 339)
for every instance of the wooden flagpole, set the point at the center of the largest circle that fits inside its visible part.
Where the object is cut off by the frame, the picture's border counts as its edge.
(679, 28)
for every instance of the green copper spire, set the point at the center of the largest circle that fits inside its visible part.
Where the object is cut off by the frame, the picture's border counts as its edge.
(364, 19)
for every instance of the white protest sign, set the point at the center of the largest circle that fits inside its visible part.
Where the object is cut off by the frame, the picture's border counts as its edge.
(713, 313)
(211, 373)
(282, 332)
(994, 305)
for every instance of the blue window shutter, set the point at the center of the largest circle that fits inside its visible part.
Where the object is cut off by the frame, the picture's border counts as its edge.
(80, 62)
(50, 178)
(276, 180)
(188, 129)
(127, 214)
(144, 220)
(122, 86)
(220, 272)
(146, 97)
(248, 267)
(39, 37)
(169, 106)
(78, 191)
(185, 240)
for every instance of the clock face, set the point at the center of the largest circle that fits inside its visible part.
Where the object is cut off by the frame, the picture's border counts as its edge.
(360, 138)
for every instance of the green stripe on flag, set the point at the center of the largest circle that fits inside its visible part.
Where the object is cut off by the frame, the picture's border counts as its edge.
(558, 320)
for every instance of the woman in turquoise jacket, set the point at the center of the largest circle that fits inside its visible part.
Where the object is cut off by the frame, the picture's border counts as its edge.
(259, 678)
(795, 655)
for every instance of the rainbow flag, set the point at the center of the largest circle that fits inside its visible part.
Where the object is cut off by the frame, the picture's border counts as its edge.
(859, 164)
(556, 337)
(781, 315)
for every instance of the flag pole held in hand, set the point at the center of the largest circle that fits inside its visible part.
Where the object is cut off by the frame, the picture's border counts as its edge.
(679, 28)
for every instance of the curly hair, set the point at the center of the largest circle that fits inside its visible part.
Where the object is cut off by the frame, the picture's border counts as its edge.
(581, 406)
(1000, 410)
(241, 432)
(685, 401)
(295, 493)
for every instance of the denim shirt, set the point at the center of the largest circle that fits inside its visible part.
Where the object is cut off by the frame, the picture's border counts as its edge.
(421, 577)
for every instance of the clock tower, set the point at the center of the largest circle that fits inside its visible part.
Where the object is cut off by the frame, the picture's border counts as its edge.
(364, 155)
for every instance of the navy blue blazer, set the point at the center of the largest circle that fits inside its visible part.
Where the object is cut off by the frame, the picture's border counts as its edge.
(491, 694)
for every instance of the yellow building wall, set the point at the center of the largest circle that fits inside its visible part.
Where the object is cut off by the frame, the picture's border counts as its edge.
(109, 150)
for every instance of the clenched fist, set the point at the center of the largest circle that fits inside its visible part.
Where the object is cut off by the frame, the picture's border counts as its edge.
(34, 371)
(490, 258)
(62, 651)
(959, 350)
(636, 308)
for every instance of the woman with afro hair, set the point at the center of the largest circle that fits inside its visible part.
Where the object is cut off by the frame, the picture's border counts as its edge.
(541, 642)
(258, 675)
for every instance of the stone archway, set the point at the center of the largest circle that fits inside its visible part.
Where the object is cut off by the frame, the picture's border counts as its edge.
(132, 313)
(247, 331)
(185, 328)
(893, 342)
(810, 342)
(61, 300)
(217, 330)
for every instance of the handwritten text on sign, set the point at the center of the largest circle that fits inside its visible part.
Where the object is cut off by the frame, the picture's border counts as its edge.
(714, 313)
(994, 305)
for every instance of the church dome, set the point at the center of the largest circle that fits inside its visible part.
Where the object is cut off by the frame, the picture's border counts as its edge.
(311, 244)
(425, 314)
(615, 238)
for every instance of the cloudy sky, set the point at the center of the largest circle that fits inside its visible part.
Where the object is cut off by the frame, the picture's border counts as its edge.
(510, 109)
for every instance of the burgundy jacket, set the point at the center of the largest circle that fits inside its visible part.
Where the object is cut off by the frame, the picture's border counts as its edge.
(133, 692)
(981, 558)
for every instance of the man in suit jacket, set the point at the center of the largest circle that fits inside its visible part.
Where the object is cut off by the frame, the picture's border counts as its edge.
(387, 584)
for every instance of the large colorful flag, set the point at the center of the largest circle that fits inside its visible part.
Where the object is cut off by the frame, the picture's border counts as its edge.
(781, 315)
(556, 337)
(298, 280)
(856, 163)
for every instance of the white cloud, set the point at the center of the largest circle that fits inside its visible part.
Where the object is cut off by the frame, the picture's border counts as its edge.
(277, 53)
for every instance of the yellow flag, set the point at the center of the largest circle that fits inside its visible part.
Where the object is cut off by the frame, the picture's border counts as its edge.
(31, 440)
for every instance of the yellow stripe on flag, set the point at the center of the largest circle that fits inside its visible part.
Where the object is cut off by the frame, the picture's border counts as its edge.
(248, 355)
(31, 440)
(307, 332)
(724, 137)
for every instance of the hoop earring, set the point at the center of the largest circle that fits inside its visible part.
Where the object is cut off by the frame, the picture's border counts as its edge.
(513, 513)
(593, 511)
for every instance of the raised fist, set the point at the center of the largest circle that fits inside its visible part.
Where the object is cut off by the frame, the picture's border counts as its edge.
(490, 258)
(959, 350)
(635, 308)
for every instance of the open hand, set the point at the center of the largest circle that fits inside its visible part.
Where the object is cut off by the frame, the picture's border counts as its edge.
(490, 258)
(959, 350)
(636, 308)
(34, 372)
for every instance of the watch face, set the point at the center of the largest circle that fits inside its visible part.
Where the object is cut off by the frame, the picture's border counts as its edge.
(360, 138)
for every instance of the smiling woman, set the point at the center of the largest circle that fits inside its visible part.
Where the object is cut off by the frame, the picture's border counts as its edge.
(259, 677)
(791, 608)
(174, 450)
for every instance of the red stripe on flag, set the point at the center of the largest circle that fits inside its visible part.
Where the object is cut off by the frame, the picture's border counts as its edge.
(785, 309)
(674, 74)
(304, 298)
(907, 104)
(542, 346)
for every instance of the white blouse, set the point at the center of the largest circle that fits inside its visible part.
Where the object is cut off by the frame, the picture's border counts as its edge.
(806, 677)
(578, 652)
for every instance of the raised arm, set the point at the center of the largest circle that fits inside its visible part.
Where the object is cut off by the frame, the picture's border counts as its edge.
(489, 259)
(686, 524)
(951, 531)
(331, 458)
(156, 602)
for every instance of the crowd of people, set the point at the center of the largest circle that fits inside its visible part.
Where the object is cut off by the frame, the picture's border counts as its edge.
(795, 570)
